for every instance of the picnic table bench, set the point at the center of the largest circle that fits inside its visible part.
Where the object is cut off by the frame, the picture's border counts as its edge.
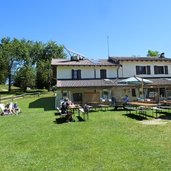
(118, 105)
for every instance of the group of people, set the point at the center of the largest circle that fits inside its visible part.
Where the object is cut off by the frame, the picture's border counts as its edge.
(66, 107)
(9, 108)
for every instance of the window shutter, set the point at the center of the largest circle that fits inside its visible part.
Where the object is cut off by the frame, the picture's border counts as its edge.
(148, 70)
(72, 74)
(166, 69)
(155, 69)
(79, 74)
(105, 76)
(137, 70)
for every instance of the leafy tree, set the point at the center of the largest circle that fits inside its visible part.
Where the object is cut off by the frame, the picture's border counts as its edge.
(36, 50)
(52, 50)
(44, 72)
(12, 51)
(43, 75)
(25, 77)
(3, 68)
(30, 59)
(152, 53)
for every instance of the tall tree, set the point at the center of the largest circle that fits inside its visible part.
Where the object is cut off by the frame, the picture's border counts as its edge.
(44, 73)
(13, 51)
(25, 77)
(24, 55)
(3, 68)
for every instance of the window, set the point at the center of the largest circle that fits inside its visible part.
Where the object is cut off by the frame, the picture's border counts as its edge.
(102, 73)
(76, 74)
(77, 97)
(160, 69)
(133, 92)
(105, 94)
(143, 70)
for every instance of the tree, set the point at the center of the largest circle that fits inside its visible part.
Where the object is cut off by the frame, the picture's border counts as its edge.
(43, 75)
(3, 68)
(28, 56)
(13, 51)
(44, 72)
(25, 77)
(36, 50)
(152, 53)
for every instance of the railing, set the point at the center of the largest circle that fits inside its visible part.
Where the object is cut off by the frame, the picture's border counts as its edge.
(14, 97)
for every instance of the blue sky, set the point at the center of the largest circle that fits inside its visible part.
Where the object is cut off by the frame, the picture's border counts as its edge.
(130, 26)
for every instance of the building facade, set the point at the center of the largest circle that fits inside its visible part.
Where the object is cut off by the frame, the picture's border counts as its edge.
(85, 81)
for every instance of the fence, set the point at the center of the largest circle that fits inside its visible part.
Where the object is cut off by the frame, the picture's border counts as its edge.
(12, 97)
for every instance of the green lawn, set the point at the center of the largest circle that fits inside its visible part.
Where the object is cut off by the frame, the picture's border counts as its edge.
(109, 141)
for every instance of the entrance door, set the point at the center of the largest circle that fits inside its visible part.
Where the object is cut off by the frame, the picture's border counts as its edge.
(77, 98)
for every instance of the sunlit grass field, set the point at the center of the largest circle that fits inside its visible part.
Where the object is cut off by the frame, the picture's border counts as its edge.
(108, 141)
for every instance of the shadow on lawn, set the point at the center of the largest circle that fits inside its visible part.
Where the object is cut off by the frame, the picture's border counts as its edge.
(48, 103)
(60, 120)
(137, 117)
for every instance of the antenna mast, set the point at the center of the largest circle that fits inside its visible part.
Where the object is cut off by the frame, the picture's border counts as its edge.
(108, 45)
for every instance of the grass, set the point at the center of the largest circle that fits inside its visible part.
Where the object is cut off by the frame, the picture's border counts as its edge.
(108, 141)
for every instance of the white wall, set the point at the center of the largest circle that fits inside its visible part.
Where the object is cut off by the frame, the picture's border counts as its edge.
(87, 72)
(111, 71)
(128, 68)
(65, 72)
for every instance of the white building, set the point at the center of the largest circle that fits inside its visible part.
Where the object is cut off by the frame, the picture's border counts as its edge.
(84, 81)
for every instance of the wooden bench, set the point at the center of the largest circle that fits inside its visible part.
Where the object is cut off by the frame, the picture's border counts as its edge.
(157, 110)
(130, 109)
(84, 113)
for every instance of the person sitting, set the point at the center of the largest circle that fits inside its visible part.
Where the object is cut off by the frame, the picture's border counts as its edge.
(64, 109)
(2, 109)
(16, 108)
(125, 100)
(113, 102)
(8, 109)
(86, 108)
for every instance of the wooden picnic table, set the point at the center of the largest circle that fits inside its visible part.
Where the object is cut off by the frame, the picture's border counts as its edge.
(74, 108)
(165, 102)
(140, 107)
(147, 105)
(103, 106)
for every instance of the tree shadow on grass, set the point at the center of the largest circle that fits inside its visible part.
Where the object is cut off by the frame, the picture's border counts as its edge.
(48, 103)
(136, 117)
